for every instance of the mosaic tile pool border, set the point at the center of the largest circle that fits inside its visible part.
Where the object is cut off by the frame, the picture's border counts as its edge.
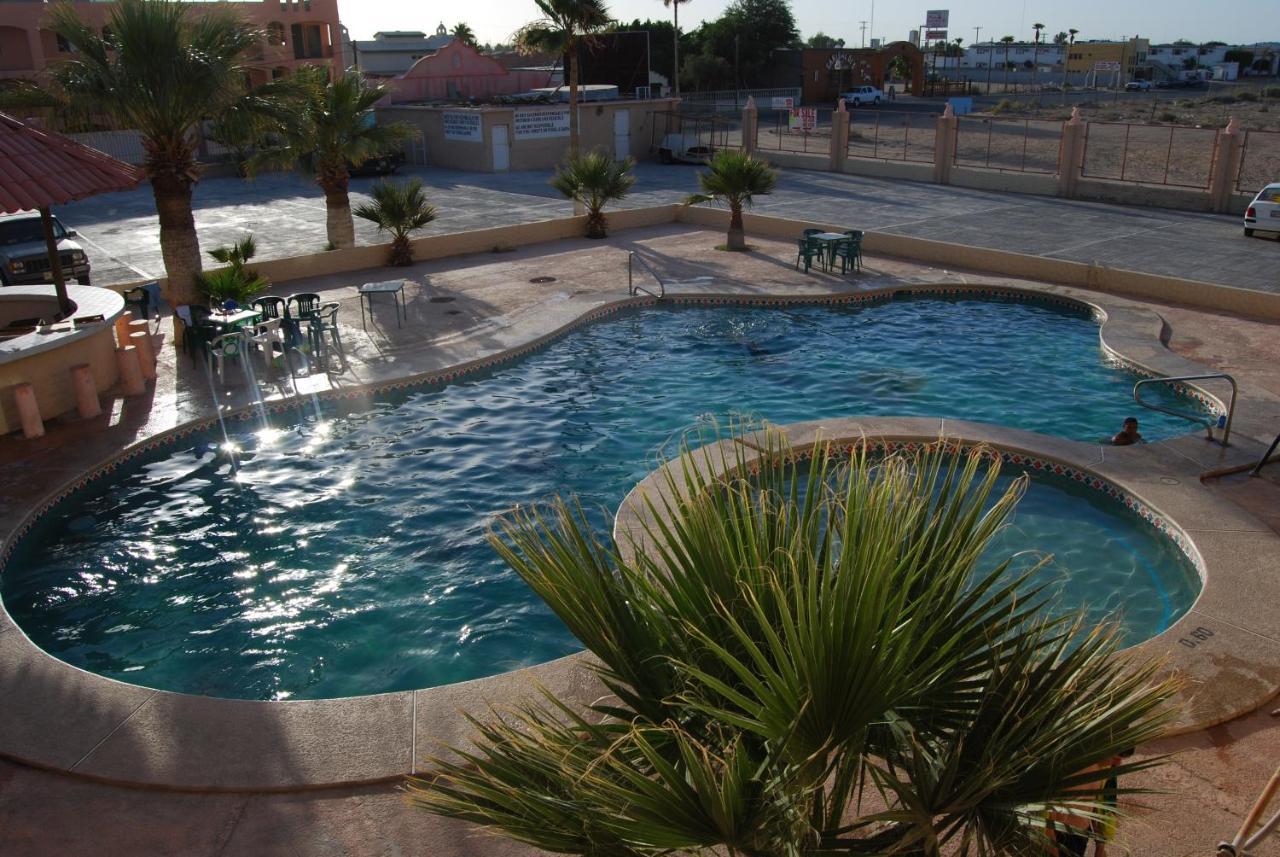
(472, 368)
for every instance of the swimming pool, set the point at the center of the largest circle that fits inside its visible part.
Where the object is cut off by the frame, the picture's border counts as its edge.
(345, 553)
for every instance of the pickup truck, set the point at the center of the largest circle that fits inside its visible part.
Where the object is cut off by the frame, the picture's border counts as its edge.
(24, 257)
(860, 95)
(683, 148)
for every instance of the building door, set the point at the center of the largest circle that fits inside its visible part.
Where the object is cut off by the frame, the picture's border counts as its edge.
(501, 149)
(621, 134)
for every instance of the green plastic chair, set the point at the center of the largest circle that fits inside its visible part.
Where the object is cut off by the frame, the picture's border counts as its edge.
(808, 251)
(849, 252)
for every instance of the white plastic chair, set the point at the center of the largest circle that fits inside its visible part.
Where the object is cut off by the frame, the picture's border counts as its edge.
(228, 346)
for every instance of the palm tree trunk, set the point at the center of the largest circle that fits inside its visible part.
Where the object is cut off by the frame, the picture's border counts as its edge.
(339, 226)
(179, 244)
(675, 77)
(573, 97)
(737, 233)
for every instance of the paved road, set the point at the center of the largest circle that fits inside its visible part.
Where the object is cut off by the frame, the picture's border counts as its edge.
(285, 212)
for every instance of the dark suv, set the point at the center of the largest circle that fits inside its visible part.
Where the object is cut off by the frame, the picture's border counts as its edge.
(24, 257)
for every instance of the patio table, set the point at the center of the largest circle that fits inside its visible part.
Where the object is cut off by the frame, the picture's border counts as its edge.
(234, 320)
(830, 239)
(395, 288)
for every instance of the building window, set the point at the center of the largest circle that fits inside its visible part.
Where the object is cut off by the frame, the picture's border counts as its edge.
(275, 33)
(307, 43)
(64, 47)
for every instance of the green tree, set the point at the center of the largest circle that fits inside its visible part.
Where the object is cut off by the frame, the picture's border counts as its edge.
(733, 179)
(400, 209)
(784, 650)
(822, 40)
(566, 27)
(594, 179)
(463, 33)
(703, 71)
(331, 126)
(1006, 41)
(1060, 38)
(746, 36)
(165, 69)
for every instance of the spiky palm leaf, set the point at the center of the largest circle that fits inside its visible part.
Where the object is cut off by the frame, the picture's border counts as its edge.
(777, 642)
(400, 209)
(734, 179)
(595, 179)
(164, 69)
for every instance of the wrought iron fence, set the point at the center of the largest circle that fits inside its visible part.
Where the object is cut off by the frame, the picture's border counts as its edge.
(781, 136)
(735, 100)
(1259, 162)
(892, 136)
(1015, 145)
(1174, 155)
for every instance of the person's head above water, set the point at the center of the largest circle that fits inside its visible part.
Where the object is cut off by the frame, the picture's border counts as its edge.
(1128, 433)
(1130, 423)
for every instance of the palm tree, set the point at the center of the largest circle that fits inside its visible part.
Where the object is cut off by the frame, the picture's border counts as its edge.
(595, 179)
(675, 25)
(163, 71)
(464, 34)
(565, 28)
(783, 650)
(732, 179)
(1006, 41)
(1035, 54)
(1071, 41)
(400, 209)
(331, 127)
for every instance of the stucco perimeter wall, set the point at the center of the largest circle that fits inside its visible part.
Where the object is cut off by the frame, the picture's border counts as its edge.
(596, 128)
(1245, 302)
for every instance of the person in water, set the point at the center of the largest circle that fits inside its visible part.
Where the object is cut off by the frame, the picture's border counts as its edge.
(1128, 434)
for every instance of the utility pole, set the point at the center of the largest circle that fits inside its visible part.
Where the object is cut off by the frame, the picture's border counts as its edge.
(873, 20)
(862, 25)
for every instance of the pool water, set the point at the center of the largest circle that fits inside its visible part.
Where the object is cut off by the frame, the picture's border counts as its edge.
(346, 554)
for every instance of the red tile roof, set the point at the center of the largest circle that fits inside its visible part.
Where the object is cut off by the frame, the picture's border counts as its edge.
(39, 168)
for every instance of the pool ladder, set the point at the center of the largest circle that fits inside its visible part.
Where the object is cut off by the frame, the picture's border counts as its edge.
(1221, 421)
(632, 287)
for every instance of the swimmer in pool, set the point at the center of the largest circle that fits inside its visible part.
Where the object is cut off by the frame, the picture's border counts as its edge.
(1128, 435)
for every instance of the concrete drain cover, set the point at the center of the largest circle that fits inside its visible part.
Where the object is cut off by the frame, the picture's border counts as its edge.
(442, 299)
(541, 280)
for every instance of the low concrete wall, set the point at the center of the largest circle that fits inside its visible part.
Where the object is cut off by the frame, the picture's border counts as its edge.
(49, 374)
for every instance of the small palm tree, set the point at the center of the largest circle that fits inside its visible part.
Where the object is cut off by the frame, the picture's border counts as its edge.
(565, 28)
(163, 70)
(1006, 41)
(234, 282)
(463, 33)
(595, 179)
(804, 658)
(734, 179)
(332, 126)
(400, 209)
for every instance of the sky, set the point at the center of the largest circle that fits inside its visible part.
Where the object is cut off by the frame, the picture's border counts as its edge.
(1237, 21)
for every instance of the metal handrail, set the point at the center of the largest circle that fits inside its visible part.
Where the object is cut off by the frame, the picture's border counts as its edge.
(632, 288)
(1209, 424)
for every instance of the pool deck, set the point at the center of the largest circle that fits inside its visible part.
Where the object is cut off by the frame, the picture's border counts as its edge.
(492, 307)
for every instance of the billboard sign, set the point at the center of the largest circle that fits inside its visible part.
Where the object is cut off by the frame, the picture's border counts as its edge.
(783, 103)
(937, 19)
(1106, 65)
(935, 35)
(461, 126)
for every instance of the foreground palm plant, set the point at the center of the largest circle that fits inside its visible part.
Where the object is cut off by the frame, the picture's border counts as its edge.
(235, 282)
(332, 127)
(733, 179)
(400, 209)
(566, 27)
(163, 69)
(595, 179)
(812, 660)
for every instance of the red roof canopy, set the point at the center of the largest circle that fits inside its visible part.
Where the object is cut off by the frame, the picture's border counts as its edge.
(39, 168)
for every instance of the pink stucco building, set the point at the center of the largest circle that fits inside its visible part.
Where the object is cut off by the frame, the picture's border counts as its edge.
(299, 32)
(459, 71)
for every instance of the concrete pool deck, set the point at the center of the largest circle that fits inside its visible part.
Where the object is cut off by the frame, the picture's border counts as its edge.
(498, 309)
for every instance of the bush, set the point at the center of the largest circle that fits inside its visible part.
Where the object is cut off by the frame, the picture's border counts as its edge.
(1247, 96)
(1222, 99)
(1004, 105)
(1168, 117)
(1272, 92)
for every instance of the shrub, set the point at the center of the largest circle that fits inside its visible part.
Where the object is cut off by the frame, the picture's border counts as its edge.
(400, 209)
(234, 282)
(1168, 117)
(1272, 92)
(1247, 96)
(595, 179)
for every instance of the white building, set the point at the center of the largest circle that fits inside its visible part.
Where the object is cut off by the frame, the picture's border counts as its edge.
(393, 52)
(1020, 54)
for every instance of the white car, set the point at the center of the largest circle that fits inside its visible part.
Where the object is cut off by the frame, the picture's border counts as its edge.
(1138, 85)
(860, 95)
(1263, 214)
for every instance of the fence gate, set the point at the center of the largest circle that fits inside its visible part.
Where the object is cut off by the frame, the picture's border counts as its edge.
(501, 149)
(621, 134)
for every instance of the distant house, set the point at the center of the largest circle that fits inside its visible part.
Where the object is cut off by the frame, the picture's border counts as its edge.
(458, 71)
(393, 52)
